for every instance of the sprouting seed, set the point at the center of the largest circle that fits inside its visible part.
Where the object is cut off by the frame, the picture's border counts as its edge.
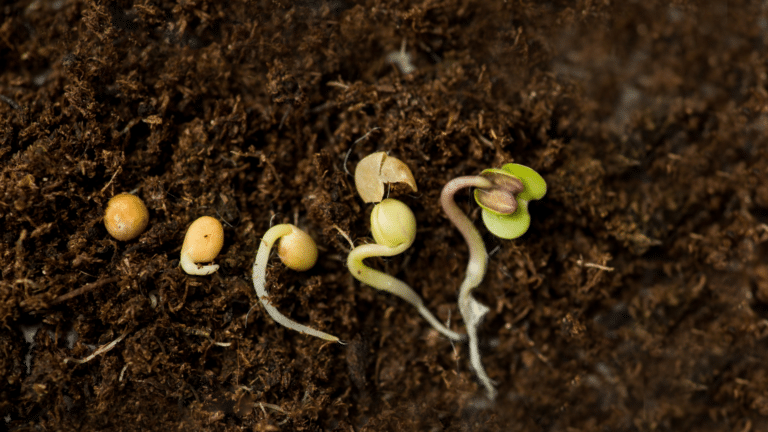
(202, 244)
(394, 229)
(298, 252)
(503, 194)
(126, 217)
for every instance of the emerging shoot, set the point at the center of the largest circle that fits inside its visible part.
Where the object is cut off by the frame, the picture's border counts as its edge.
(394, 229)
(505, 206)
(503, 194)
(297, 251)
(126, 217)
(377, 169)
(202, 244)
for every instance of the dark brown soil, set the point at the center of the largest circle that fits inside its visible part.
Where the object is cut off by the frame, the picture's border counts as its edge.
(637, 301)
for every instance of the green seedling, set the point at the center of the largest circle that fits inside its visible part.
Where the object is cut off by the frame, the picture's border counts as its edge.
(394, 230)
(297, 251)
(503, 194)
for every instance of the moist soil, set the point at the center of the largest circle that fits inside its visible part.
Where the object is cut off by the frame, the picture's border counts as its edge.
(636, 301)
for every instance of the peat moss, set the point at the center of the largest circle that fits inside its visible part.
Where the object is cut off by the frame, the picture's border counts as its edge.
(637, 300)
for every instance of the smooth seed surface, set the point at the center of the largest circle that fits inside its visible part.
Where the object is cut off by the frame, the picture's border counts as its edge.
(204, 239)
(126, 217)
(393, 223)
(297, 250)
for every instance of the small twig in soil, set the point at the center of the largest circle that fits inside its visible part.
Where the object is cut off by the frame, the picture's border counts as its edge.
(101, 350)
(206, 334)
(263, 405)
(120, 379)
(346, 158)
(345, 235)
(580, 262)
(285, 116)
(10, 102)
(338, 84)
(19, 249)
(263, 159)
(223, 220)
(117, 171)
(84, 289)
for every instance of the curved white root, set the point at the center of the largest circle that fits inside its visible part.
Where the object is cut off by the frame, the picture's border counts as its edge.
(260, 282)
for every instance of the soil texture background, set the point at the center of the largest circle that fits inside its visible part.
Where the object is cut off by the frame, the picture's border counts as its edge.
(636, 301)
